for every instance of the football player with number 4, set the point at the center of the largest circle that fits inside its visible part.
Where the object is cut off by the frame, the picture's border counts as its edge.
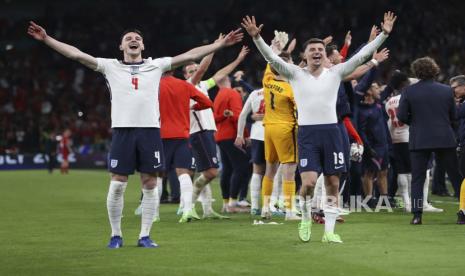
(136, 143)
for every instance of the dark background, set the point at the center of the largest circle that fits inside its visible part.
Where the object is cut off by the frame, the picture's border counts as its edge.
(41, 91)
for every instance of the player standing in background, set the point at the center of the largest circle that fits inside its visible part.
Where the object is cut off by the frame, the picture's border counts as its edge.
(136, 142)
(399, 133)
(372, 126)
(280, 131)
(255, 104)
(319, 140)
(457, 83)
(65, 150)
(227, 107)
(202, 131)
(175, 101)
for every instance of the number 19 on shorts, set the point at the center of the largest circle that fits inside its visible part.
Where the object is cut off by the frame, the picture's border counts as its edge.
(338, 158)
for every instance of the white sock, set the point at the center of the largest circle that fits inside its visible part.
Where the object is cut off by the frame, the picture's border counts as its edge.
(331, 214)
(402, 181)
(185, 182)
(255, 190)
(426, 188)
(158, 192)
(199, 184)
(305, 208)
(409, 177)
(275, 193)
(115, 203)
(206, 196)
(148, 211)
(318, 194)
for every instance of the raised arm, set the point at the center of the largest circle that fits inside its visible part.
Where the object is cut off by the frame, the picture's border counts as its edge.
(348, 67)
(203, 67)
(238, 77)
(378, 57)
(225, 71)
(345, 48)
(202, 51)
(71, 52)
(283, 68)
(246, 110)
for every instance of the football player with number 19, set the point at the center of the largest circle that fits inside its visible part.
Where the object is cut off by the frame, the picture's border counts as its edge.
(319, 140)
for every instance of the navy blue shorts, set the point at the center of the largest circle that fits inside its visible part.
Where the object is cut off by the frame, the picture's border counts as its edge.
(401, 156)
(258, 152)
(136, 148)
(204, 150)
(178, 154)
(379, 162)
(345, 144)
(320, 149)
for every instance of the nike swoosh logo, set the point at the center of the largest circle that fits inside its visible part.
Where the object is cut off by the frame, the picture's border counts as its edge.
(338, 167)
(157, 166)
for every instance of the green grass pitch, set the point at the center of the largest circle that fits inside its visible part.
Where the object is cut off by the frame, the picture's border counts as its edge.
(57, 225)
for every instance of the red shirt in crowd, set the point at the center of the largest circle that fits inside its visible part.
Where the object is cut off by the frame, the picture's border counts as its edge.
(227, 98)
(174, 98)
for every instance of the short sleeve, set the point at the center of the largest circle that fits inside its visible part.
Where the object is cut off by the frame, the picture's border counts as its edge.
(163, 63)
(102, 65)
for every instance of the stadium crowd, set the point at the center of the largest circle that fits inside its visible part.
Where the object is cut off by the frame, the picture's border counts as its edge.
(37, 97)
(43, 93)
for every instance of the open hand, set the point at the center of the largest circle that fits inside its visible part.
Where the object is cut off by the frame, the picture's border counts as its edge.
(250, 25)
(36, 31)
(232, 38)
(381, 55)
(243, 53)
(388, 24)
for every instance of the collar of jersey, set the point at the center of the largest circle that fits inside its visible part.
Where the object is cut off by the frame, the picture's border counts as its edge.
(132, 63)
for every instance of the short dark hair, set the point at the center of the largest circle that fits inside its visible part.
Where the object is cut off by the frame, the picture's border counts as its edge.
(330, 49)
(312, 41)
(398, 80)
(133, 30)
(460, 80)
(285, 55)
(425, 68)
(185, 66)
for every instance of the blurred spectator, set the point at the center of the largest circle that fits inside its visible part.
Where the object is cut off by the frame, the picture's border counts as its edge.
(40, 90)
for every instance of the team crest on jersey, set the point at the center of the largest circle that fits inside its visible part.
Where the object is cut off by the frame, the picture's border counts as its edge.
(215, 160)
(113, 163)
(303, 162)
(134, 70)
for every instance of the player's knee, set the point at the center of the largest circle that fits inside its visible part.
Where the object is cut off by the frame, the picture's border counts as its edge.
(271, 170)
(148, 181)
(118, 177)
(210, 173)
(259, 169)
(181, 171)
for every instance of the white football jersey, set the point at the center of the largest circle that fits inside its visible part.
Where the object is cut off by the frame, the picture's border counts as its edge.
(134, 90)
(202, 119)
(256, 104)
(316, 96)
(399, 131)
